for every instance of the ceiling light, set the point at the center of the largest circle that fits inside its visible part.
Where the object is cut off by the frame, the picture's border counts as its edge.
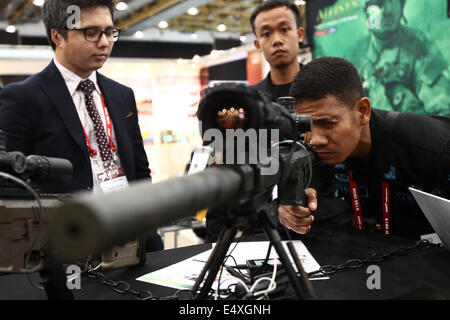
(11, 29)
(243, 38)
(121, 6)
(300, 2)
(193, 11)
(38, 3)
(194, 36)
(163, 24)
(221, 27)
(139, 34)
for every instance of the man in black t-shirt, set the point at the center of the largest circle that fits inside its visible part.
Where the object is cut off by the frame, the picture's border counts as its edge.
(278, 31)
(379, 154)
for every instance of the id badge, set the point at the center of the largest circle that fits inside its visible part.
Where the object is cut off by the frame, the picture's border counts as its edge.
(112, 180)
(201, 159)
(114, 184)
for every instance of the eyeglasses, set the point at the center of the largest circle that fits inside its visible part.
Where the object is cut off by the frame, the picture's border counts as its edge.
(94, 34)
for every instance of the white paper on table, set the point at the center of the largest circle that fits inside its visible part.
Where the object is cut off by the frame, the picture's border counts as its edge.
(182, 275)
(258, 250)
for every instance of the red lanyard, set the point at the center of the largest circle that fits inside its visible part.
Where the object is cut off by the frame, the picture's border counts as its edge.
(356, 202)
(386, 208)
(357, 209)
(109, 132)
(92, 151)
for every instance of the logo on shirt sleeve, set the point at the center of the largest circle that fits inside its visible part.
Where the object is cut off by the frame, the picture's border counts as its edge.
(391, 175)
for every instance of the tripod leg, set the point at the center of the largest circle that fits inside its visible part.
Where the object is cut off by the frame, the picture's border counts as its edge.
(309, 290)
(202, 274)
(215, 261)
(275, 239)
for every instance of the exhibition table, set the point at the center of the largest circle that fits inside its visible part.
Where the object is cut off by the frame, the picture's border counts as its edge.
(409, 274)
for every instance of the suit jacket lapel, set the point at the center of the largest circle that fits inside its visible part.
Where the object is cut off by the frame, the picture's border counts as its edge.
(56, 90)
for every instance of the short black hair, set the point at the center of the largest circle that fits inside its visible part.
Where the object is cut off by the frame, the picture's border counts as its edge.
(272, 4)
(328, 76)
(55, 15)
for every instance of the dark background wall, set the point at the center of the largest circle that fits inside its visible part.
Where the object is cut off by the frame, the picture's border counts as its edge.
(143, 49)
(8, 38)
(236, 70)
(139, 49)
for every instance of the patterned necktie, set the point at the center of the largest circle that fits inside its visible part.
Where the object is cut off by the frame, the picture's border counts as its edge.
(87, 87)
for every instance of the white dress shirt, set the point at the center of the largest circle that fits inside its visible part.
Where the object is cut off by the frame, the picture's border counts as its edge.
(72, 81)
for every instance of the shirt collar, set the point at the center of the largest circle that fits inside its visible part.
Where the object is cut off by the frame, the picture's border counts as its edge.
(269, 79)
(72, 80)
(381, 157)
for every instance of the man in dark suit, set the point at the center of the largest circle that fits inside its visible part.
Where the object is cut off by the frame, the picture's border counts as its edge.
(40, 118)
(70, 111)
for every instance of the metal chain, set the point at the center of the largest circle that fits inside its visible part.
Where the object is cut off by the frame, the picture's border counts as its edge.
(124, 288)
(327, 270)
(120, 287)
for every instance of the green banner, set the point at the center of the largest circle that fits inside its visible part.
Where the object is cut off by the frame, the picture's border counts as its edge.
(401, 49)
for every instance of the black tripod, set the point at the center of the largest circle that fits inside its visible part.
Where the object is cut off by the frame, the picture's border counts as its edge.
(302, 286)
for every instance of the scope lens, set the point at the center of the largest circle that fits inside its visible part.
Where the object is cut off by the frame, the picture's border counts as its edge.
(18, 162)
(232, 118)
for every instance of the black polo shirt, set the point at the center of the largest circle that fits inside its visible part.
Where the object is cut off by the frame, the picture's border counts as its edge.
(408, 150)
(271, 90)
